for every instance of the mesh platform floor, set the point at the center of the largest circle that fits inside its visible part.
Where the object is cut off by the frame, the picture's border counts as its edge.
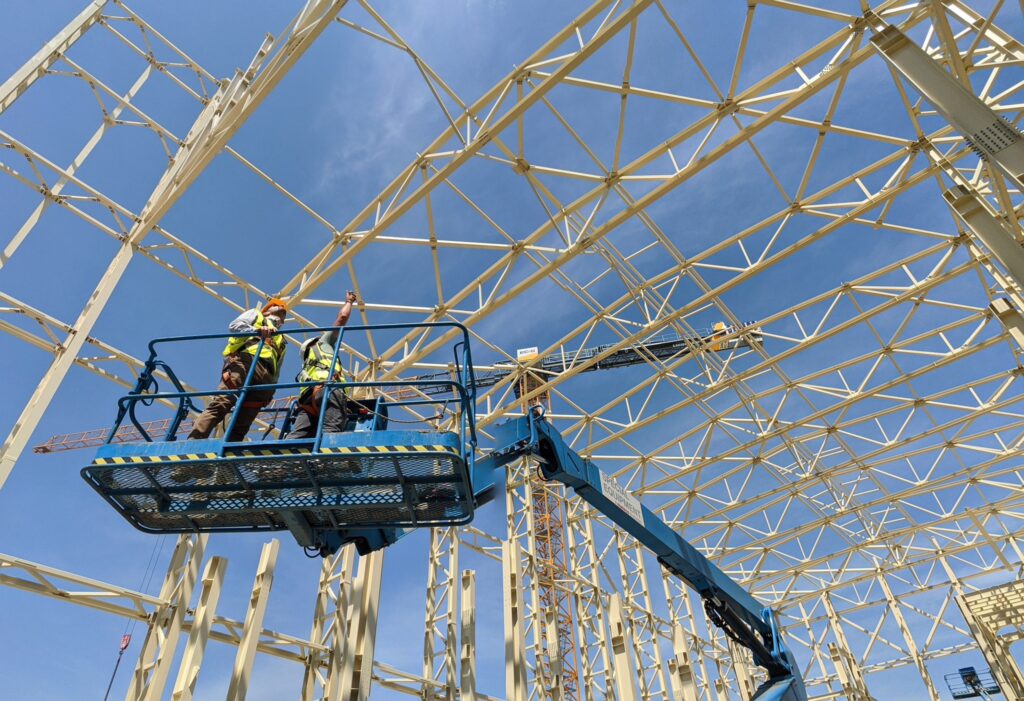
(243, 493)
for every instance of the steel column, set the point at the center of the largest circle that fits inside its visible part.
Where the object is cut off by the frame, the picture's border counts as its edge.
(330, 623)
(467, 636)
(258, 600)
(199, 633)
(684, 684)
(355, 675)
(515, 642)
(622, 650)
(847, 664)
(166, 622)
(439, 637)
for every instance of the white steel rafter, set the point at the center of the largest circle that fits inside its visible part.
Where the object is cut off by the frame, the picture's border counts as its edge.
(857, 469)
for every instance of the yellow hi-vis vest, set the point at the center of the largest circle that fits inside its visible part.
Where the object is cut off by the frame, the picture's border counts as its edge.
(317, 363)
(273, 348)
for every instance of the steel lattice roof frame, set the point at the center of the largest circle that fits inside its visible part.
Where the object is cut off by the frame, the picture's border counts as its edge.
(863, 458)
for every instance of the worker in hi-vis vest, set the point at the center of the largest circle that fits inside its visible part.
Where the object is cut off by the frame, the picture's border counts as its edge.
(317, 353)
(239, 354)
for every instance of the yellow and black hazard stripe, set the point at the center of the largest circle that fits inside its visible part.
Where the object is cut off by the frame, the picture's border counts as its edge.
(258, 452)
(369, 449)
(132, 459)
(270, 452)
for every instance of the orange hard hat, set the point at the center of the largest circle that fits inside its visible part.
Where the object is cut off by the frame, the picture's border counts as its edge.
(274, 302)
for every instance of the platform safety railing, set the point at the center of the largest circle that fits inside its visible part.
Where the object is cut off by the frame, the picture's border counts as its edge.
(147, 391)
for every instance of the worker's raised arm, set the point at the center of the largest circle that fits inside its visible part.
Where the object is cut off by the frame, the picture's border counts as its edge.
(346, 309)
(329, 337)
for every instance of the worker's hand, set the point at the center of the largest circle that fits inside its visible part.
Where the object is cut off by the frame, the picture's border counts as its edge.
(350, 297)
(266, 332)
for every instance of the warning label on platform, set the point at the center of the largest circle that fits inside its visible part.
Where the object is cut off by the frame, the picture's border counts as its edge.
(621, 498)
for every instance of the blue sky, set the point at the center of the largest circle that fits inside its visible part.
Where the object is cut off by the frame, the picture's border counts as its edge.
(350, 115)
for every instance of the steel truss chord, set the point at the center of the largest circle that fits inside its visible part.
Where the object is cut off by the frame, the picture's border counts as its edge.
(37, 66)
(318, 269)
(46, 335)
(191, 259)
(90, 593)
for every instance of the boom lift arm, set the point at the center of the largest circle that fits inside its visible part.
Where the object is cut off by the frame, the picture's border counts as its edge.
(727, 604)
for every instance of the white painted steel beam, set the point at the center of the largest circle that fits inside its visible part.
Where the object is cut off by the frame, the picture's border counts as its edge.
(245, 656)
(515, 612)
(992, 137)
(467, 637)
(622, 650)
(994, 233)
(199, 632)
(36, 67)
(165, 627)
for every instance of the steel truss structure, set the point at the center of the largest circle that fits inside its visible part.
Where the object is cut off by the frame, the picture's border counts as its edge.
(858, 470)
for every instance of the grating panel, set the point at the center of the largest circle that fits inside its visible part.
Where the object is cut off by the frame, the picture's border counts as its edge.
(248, 492)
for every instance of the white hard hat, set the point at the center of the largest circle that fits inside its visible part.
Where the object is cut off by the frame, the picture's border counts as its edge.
(307, 343)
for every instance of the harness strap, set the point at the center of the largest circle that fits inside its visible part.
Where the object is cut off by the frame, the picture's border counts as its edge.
(309, 401)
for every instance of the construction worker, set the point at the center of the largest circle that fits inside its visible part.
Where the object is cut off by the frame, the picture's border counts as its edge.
(239, 354)
(317, 353)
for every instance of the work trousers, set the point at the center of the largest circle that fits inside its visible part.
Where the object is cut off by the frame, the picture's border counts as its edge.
(335, 418)
(236, 367)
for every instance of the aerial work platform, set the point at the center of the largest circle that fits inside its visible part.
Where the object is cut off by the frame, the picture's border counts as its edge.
(358, 485)
(375, 479)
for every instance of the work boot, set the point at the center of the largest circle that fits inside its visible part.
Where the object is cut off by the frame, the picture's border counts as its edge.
(184, 473)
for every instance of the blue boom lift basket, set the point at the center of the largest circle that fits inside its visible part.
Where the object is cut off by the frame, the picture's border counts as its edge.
(366, 478)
